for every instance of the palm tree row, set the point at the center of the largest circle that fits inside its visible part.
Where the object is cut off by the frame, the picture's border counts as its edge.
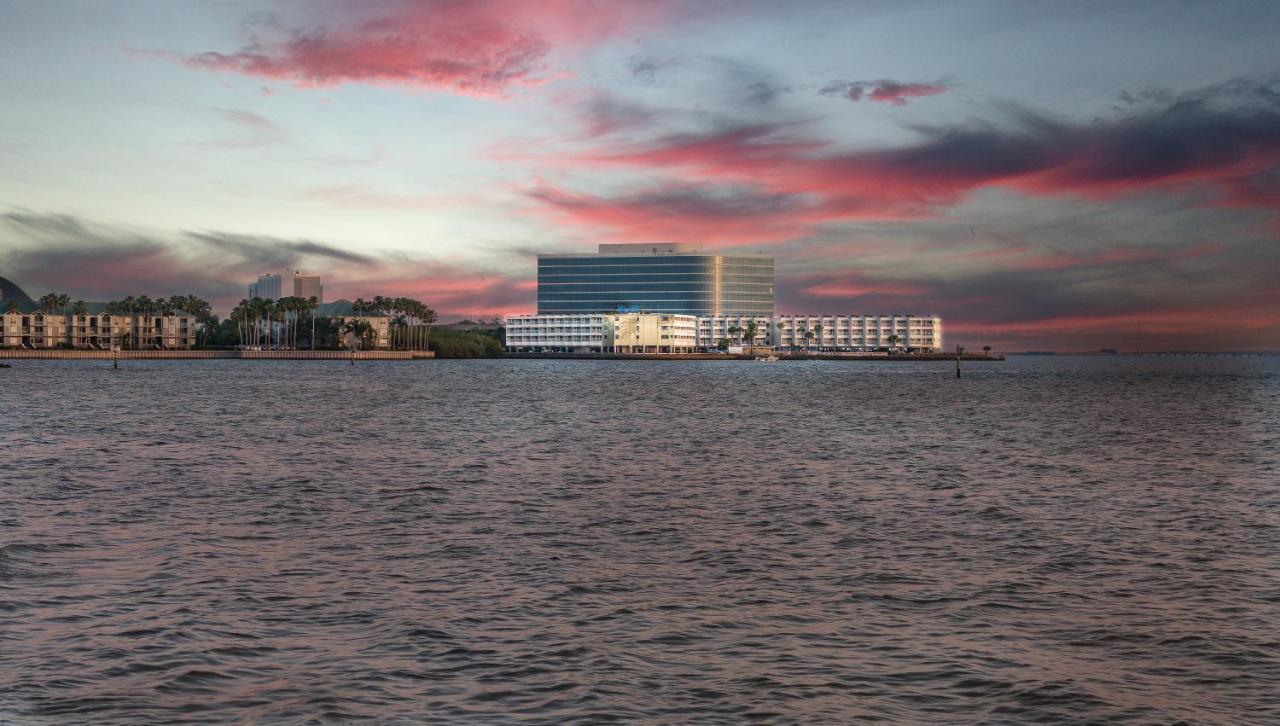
(273, 323)
(410, 319)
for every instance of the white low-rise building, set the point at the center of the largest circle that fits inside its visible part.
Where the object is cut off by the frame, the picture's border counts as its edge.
(602, 333)
(582, 333)
(858, 332)
(662, 333)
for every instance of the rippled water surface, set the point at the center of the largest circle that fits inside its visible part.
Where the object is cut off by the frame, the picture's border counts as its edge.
(1047, 539)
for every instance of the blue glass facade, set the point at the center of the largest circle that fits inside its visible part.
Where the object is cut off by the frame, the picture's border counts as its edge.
(689, 284)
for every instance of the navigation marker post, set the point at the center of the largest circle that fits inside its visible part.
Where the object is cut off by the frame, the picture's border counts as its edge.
(959, 352)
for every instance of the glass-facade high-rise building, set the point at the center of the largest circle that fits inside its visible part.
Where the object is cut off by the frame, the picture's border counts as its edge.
(655, 278)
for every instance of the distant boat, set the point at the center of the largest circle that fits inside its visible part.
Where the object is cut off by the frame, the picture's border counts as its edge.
(767, 358)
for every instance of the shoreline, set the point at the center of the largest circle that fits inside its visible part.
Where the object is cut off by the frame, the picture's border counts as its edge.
(59, 354)
(62, 354)
(782, 357)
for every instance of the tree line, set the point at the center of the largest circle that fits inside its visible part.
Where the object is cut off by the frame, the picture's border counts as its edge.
(282, 323)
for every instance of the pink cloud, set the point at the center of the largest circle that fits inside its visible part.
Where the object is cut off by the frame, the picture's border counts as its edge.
(478, 47)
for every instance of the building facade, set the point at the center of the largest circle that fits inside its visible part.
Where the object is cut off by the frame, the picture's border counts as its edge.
(673, 279)
(662, 333)
(840, 333)
(602, 333)
(308, 286)
(40, 329)
(380, 324)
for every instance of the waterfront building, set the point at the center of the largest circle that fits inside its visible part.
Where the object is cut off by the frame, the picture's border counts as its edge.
(40, 329)
(650, 333)
(290, 283)
(381, 325)
(602, 333)
(655, 278)
(660, 333)
(733, 328)
(858, 332)
(556, 333)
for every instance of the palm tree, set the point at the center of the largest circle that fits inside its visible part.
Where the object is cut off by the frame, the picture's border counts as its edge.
(817, 332)
(893, 342)
(808, 339)
(986, 351)
(11, 306)
(733, 330)
(358, 327)
(752, 328)
(312, 303)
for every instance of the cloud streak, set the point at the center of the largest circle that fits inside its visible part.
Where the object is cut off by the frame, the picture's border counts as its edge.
(883, 90)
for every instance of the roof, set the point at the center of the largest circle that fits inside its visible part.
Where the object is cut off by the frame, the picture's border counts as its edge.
(341, 308)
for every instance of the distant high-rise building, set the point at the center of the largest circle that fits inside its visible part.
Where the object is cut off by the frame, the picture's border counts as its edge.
(290, 283)
(308, 286)
(658, 278)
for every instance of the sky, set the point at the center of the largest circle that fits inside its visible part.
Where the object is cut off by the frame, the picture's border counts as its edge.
(1043, 175)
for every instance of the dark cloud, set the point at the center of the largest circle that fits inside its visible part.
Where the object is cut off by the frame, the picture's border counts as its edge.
(723, 215)
(605, 114)
(272, 252)
(884, 90)
(1225, 138)
(44, 252)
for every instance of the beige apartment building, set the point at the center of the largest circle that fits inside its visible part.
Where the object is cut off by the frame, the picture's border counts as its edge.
(40, 329)
(650, 333)
(381, 325)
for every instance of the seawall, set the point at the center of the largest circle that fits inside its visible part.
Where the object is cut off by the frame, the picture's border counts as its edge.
(913, 358)
(57, 354)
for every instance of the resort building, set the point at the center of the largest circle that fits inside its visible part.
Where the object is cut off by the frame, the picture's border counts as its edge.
(735, 329)
(655, 278)
(650, 333)
(40, 329)
(858, 332)
(660, 333)
(602, 333)
(290, 283)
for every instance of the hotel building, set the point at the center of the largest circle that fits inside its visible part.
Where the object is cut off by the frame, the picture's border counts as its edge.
(670, 278)
(839, 333)
(659, 333)
(646, 298)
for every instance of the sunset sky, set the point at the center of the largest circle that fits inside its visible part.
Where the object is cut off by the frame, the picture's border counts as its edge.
(1042, 175)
